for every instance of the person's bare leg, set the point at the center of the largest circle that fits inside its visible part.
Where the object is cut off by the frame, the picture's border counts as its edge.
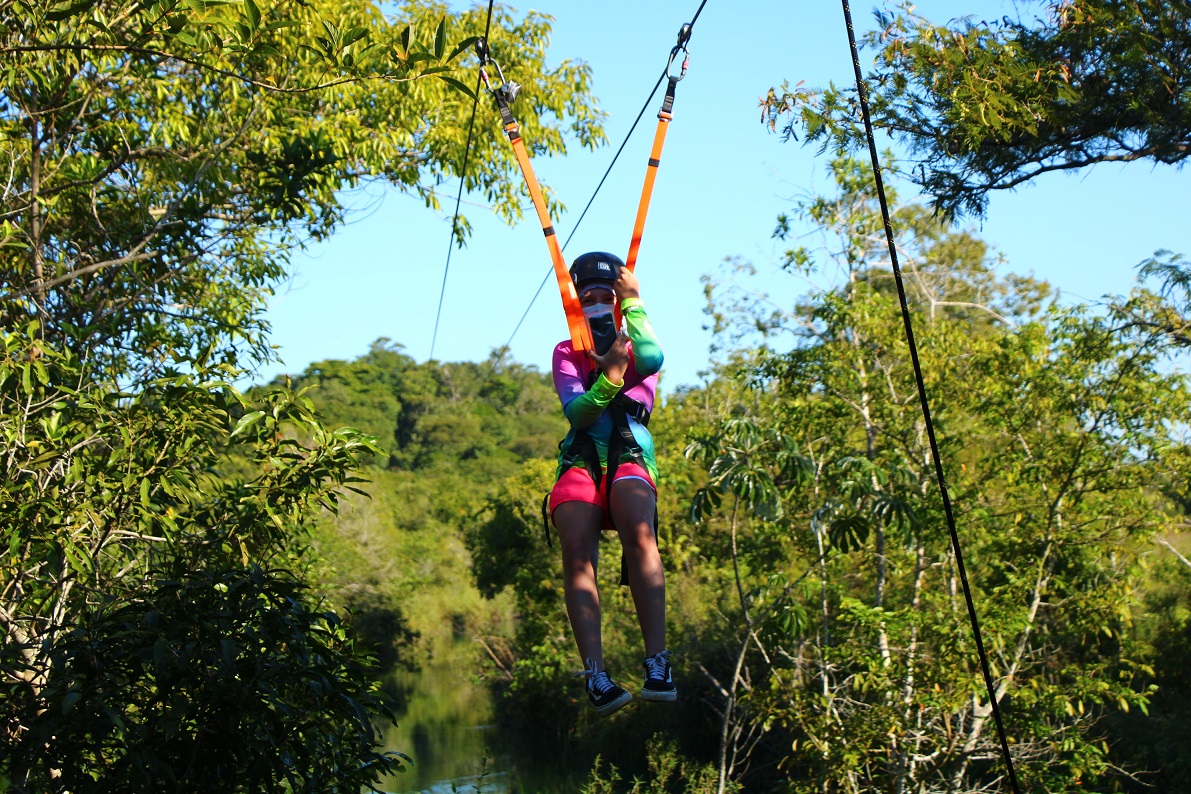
(633, 504)
(578, 526)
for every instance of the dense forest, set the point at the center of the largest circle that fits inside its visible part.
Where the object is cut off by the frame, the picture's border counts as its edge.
(207, 588)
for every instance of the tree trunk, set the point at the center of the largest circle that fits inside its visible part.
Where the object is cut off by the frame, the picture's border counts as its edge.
(905, 763)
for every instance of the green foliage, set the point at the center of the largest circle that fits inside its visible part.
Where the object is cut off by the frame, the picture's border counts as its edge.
(153, 633)
(812, 590)
(452, 434)
(1153, 742)
(989, 105)
(196, 685)
(1054, 429)
(669, 771)
(508, 550)
(166, 157)
(433, 416)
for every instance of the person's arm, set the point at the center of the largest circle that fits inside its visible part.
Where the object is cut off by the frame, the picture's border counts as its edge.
(647, 351)
(580, 405)
(582, 411)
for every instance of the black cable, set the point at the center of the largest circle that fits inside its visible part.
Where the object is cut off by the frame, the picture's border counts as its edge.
(583, 214)
(459, 196)
(615, 157)
(862, 93)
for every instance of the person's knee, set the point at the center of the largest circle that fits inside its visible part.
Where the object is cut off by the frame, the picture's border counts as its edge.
(578, 562)
(637, 538)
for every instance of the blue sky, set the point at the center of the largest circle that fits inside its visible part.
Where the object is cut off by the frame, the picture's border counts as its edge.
(723, 180)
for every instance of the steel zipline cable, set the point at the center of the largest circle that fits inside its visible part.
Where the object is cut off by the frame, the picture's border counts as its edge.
(645, 106)
(459, 196)
(862, 94)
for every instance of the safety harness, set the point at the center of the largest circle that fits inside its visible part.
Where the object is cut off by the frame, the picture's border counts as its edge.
(621, 444)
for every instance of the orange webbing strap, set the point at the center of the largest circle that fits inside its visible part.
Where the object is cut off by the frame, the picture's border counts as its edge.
(651, 173)
(576, 324)
(655, 156)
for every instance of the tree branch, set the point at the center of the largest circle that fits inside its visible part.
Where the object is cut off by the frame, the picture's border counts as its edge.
(149, 51)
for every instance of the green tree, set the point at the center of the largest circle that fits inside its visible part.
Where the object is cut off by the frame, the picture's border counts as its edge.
(156, 632)
(1054, 428)
(451, 433)
(989, 105)
(165, 158)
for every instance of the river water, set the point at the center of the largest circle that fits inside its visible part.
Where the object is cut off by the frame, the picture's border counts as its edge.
(445, 728)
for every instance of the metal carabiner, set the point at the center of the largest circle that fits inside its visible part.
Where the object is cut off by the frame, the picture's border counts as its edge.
(684, 35)
(686, 60)
(508, 89)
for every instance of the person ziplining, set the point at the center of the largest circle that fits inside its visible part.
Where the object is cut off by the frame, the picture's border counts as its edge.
(606, 377)
(607, 473)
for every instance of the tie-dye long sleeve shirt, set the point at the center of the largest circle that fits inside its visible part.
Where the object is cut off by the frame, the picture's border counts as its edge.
(584, 407)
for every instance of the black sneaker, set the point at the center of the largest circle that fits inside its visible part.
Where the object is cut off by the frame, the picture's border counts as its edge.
(605, 696)
(659, 684)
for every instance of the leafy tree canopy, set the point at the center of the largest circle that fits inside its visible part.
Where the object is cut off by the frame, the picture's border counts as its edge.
(989, 105)
(156, 633)
(162, 159)
(484, 417)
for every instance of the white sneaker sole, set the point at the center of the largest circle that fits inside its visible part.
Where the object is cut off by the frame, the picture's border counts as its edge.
(615, 705)
(659, 696)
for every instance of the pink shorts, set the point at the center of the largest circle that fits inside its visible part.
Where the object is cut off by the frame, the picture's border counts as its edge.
(576, 485)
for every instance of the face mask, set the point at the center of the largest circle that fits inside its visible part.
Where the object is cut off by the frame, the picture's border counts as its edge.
(597, 310)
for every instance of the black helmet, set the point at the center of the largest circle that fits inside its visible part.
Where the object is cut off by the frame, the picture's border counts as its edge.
(595, 266)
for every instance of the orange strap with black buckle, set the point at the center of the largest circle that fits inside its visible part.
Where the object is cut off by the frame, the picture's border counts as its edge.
(504, 95)
(655, 154)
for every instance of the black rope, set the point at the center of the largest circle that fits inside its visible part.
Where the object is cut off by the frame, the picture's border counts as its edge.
(615, 157)
(645, 106)
(862, 93)
(459, 196)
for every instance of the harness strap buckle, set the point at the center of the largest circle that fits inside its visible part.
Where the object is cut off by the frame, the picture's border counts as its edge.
(508, 90)
(633, 408)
